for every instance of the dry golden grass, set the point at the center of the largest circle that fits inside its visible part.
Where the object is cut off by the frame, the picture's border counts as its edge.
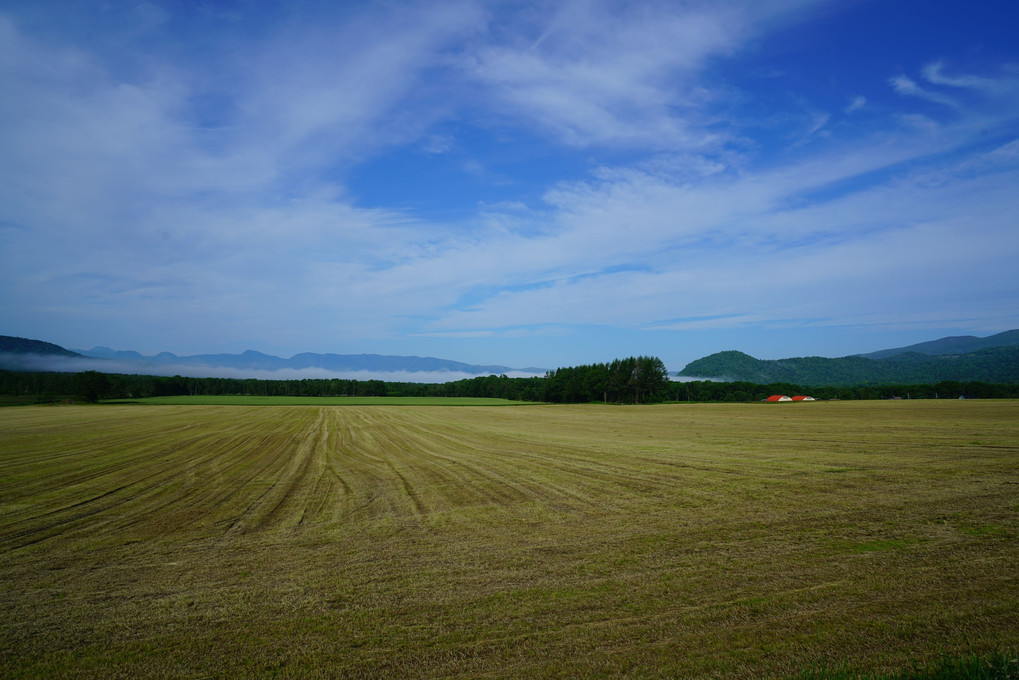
(565, 541)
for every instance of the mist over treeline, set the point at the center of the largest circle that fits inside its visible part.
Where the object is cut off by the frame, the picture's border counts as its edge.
(580, 384)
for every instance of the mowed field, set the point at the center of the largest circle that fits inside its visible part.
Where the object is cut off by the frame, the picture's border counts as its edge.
(744, 541)
(243, 400)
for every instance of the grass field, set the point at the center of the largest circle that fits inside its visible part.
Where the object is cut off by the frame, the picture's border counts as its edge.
(244, 400)
(744, 541)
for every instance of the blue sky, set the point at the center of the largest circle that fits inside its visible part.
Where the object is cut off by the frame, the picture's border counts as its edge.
(529, 184)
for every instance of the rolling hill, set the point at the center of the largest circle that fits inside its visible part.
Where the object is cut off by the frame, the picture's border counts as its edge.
(960, 359)
(12, 345)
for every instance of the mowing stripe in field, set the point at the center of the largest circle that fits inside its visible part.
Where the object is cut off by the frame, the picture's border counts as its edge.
(246, 400)
(397, 541)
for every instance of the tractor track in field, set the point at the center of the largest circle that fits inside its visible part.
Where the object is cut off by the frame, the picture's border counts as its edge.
(297, 493)
(418, 541)
(546, 478)
(487, 485)
(234, 471)
(320, 464)
(146, 481)
(34, 531)
(166, 480)
(269, 507)
(421, 458)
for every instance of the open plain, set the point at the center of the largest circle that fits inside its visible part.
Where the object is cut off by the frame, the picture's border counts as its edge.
(750, 540)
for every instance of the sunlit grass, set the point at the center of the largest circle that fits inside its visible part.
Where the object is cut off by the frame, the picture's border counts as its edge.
(550, 541)
(247, 400)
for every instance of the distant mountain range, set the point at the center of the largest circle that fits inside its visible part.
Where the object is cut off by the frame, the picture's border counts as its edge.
(993, 359)
(35, 355)
(954, 345)
(251, 359)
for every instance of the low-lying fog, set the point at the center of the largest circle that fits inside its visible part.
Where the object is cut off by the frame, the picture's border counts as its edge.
(35, 362)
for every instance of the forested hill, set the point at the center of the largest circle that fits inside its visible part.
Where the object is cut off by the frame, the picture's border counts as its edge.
(991, 365)
(13, 345)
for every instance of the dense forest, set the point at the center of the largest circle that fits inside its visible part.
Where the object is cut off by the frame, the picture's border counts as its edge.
(631, 380)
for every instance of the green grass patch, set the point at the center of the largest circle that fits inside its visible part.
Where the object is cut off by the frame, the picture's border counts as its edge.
(994, 666)
(985, 530)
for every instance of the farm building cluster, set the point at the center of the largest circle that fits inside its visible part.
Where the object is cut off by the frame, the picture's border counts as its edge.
(782, 397)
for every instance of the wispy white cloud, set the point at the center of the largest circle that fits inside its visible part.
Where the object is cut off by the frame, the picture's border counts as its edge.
(933, 73)
(316, 91)
(858, 103)
(601, 73)
(908, 87)
(820, 120)
(762, 243)
(128, 201)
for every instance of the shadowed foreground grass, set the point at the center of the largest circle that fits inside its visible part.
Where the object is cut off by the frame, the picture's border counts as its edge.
(993, 666)
(742, 541)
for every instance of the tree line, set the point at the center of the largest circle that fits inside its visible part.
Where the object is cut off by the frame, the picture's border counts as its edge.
(623, 381)
(632, 380)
